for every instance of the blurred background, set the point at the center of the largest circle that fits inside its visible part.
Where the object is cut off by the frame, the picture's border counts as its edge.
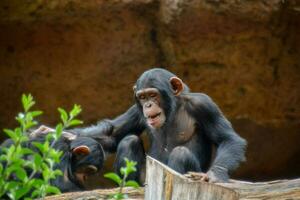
(244, 54)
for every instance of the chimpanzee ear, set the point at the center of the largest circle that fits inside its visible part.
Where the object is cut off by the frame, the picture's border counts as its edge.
(81, 150)
(177, 85)
(134, 88)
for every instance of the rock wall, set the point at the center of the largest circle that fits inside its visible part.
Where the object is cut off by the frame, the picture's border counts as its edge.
(244, 54)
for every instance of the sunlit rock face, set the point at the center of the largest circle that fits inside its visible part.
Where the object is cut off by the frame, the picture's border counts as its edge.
(244, 54)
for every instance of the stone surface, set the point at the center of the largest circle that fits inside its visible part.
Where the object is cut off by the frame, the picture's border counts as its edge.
(244, 54)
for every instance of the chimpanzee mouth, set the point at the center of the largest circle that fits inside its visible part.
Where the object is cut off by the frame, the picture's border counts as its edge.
(87, 169)
(154, 116)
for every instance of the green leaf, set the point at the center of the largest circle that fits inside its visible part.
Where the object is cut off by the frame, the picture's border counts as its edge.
(27, 102)
(21, 174)
(11, 134)
(114, 177)
(75, 122)
(30, 124)
(46, 146)
(132, 184)
(130, 166)
(55, 155)
(23, 138)
(50, 136)
(75, 111)
(12, 185)
(120, 196)
(36, 113)
(58, 130)
(26, 151)
(12, 194)
(52, 190)
(36, 183)
(131, 169)
(57, 172)
(24, 100)
(18, 132)
(39, 146)
(21, 192)
(30, 164)
(12, 168)
(50, 162)
(4, 157)
(63, 115)
(37, 159)
(46, 173)
(36, 193)
(10, 150)
(28, 116)
(123, 170)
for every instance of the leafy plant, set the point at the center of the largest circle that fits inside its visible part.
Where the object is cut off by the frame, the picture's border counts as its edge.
(122, 182)
(19, 165)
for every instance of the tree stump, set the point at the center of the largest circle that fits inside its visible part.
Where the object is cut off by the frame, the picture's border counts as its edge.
(163, 183)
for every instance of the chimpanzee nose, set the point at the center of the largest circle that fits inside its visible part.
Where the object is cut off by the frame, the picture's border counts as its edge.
(148, 105)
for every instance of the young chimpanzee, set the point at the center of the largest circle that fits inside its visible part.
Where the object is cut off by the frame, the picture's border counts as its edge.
(183, 128)
(82, 157)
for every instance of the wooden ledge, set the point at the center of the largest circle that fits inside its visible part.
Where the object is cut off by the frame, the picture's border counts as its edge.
(163, 183)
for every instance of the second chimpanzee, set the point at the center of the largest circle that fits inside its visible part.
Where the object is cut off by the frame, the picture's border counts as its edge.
(183, 128)
(82, 157)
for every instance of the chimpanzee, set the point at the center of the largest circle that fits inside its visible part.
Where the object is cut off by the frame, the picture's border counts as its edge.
(183, 128)
(82, 157)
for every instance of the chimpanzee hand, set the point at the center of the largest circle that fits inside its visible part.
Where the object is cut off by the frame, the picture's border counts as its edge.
(199, 176)
(44, 130)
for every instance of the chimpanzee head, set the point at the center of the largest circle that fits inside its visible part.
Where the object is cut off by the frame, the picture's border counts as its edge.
(87, 157)
(156, 91)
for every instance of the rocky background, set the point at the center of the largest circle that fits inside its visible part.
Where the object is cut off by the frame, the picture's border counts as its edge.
(244, 54)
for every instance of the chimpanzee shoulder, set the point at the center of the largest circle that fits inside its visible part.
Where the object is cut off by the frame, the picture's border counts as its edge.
(199, 100)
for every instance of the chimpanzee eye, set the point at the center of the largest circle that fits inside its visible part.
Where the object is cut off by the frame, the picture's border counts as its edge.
(152, 95)
(142, 96)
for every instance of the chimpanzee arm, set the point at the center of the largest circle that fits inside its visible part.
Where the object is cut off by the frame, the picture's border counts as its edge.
(230, 146)
(110, 132)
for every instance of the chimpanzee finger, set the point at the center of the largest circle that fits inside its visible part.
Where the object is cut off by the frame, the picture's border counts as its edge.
(42, 130)
(204, 178)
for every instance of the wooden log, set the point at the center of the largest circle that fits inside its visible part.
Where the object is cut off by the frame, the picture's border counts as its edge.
(279, 189)
(163, 183)
(99, 194)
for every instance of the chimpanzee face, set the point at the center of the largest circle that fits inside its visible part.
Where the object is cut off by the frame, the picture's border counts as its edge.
(87, 158)
(150, 101)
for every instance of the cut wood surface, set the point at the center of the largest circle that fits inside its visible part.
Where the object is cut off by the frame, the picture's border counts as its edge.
(163, 183)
